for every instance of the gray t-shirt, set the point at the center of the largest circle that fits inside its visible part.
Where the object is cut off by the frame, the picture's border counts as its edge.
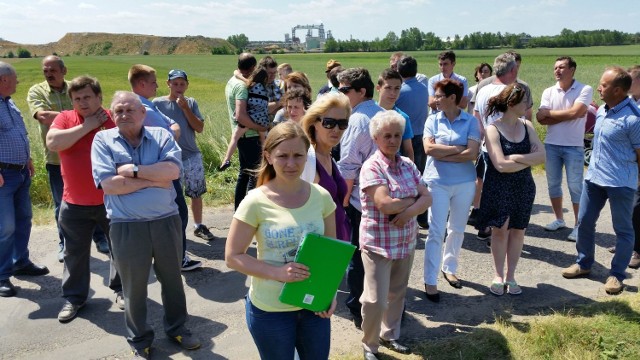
(187, 140)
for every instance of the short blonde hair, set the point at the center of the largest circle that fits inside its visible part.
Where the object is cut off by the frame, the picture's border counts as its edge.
(322, 105)
(139, 72)
(384, 118)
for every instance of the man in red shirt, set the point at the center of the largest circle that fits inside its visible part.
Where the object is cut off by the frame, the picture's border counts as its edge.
(82, 209)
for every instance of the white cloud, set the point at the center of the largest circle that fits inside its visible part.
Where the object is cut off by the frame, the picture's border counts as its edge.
(86, 6)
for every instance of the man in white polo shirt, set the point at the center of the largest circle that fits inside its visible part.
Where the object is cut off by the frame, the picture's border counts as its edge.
(563, 109)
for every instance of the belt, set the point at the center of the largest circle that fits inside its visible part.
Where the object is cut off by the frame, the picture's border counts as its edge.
(12, 166)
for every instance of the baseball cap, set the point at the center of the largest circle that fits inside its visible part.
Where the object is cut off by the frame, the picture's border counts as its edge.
(331, 64)
(175, 74)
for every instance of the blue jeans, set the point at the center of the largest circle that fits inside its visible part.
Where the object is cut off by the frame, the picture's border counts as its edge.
(56, 184)
(420, 159)
(15, 221)
(249, 154)
(591, 203)
(572, 158)
(277, 334)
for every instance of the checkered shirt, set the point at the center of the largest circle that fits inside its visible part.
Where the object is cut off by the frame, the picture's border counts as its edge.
(376, 233)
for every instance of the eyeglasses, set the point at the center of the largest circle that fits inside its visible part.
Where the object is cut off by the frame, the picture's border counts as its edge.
(330, 123)
(345, 89)
(439, 96)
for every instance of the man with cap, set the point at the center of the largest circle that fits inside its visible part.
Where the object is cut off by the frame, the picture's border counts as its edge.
(184, 110)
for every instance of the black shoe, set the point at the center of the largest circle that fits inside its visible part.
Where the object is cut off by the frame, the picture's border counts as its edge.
(357, 322)
(473, 217)
(455, 282)
(224, 166)
(432, 297)
(483, 235)
(368, 355)
(395, 346)
(102, 246)
(31, 270)
(7, 289)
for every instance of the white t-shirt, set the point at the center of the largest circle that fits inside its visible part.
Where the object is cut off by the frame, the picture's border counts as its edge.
(568, 132)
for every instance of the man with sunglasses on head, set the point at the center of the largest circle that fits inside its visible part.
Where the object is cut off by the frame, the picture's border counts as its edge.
(356, 146)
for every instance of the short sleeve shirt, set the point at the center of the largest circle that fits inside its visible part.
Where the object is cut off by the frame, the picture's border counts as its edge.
(236, 89)
(171, 109)
(377, 235)
(568, 132)
(279, 231)
(14, 142)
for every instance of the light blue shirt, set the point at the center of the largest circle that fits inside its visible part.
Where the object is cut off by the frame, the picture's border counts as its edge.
(464, 128)
(154, 117)
(616, 137)
(14, 142)
(110, 150)
(356, 146)
(414, 101)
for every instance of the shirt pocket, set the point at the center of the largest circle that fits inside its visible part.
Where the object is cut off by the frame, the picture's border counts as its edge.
(121, 158)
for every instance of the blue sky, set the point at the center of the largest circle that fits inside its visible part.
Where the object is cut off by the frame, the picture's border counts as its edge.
(42, 21)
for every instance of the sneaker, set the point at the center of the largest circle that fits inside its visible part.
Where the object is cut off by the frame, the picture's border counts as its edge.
(102, 246)
(555, 225)
(188, 264)
(484, 235)
(574, 235)
(574, 271)
(473, 217)
(120, 300)
(186, 341)
(61, 254)
(203, 232)
(635, 260)
(69, 312)
(141, 353)
(613, 286)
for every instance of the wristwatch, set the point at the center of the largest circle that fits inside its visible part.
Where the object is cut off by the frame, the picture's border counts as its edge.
(135, 171)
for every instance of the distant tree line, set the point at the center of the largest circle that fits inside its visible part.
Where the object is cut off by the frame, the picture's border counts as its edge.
(414, 39)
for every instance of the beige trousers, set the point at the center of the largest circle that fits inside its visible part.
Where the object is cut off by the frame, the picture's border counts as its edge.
(385, 286)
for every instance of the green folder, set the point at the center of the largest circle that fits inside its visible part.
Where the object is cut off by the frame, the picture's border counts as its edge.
(327, 259)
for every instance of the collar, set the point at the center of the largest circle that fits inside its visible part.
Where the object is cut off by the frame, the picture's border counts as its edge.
(573, 85)
(618, 106)
(387, 162)
(65, 87)
(363, 104)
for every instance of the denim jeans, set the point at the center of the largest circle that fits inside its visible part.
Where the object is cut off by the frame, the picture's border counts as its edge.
(420, 159)
(450, 202)
(249, 153)
(277, 334)
(15, 221)
(592, 201)
(56, 184)
(636, 220)
(572, 158)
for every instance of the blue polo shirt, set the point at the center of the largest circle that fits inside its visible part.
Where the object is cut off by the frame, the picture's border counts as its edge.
(414, 101)
(464, 128)
(14, 142)
(616, 137)
(110, 150)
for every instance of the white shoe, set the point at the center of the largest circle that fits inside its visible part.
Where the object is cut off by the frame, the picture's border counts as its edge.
(574, 234)
(555, 225)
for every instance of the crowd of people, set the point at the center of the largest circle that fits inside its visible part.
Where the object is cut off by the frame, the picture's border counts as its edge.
(432, 152)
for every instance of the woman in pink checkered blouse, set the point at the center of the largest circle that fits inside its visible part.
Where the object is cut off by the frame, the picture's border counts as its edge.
(392, 196)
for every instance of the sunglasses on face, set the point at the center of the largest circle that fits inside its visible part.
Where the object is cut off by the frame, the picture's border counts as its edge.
(330, 123)
(345, 89)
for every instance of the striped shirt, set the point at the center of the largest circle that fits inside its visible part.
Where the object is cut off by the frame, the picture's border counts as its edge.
(377, 235)
(14, 142)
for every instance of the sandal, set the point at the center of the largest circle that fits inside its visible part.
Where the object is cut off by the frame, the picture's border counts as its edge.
(513, 288)
(497, 288)
(224, 166)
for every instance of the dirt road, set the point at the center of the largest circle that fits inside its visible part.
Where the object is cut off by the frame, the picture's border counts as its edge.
(29, 328)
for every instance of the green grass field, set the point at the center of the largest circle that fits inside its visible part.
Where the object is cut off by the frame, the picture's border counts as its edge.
(209, 74)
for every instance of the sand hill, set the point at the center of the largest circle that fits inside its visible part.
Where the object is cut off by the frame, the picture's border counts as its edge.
(119, 44)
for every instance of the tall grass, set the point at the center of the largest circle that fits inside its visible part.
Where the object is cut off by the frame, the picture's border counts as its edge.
(208, 76)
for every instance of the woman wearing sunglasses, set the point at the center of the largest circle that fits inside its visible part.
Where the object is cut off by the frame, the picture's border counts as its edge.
(451, 141)
(392, 196)
(324, 123)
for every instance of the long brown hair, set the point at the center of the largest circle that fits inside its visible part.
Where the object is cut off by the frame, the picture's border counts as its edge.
(510, 96)
(286, 131)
